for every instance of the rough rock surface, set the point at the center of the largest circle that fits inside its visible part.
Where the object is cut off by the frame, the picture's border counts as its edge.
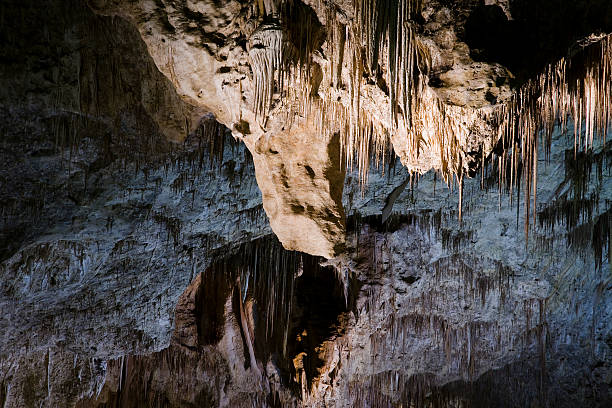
(138, 267)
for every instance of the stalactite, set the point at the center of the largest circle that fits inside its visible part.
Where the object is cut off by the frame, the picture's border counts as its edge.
(205, 146)
(172, 225)
(266, 51)
(387, 25)
(247, 331)
(577, 87)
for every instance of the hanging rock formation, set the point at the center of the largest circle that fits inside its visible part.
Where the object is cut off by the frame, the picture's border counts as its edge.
(378, 73)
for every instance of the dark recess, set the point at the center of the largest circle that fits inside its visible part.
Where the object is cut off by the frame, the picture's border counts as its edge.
(541, 31)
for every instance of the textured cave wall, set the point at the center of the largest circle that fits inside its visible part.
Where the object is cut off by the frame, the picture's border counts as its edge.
(418, 309)
(438, 297)
(105, 217)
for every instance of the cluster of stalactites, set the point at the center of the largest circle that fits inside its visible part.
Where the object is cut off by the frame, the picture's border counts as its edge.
(356, 48)
(266, 52)
(382, 36)
(577, 88)
(280, 50)
(386, 25)
(382, 39)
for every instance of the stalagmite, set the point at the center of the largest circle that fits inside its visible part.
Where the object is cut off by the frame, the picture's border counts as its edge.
(246, 330)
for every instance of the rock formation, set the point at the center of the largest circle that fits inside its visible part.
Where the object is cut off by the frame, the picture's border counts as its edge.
(309, 203)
